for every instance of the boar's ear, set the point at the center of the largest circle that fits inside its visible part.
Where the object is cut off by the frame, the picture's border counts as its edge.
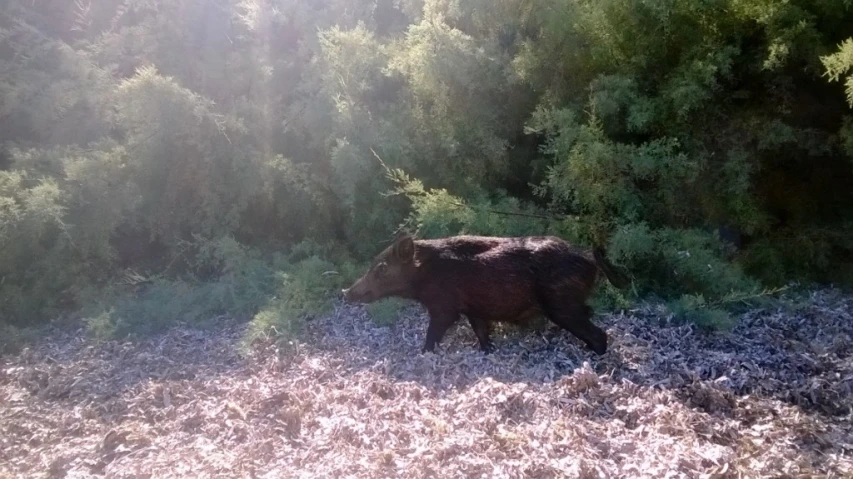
(404, 248)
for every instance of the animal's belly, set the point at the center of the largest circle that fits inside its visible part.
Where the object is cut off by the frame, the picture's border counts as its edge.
(504, 311)
(510, 296)
(523, 317)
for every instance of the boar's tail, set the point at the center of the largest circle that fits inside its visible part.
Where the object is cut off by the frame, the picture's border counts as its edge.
(616, 277)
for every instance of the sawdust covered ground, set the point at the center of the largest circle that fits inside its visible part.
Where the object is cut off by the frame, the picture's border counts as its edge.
(772, 399)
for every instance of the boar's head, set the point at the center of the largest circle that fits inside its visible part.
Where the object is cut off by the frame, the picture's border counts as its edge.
(391, 274)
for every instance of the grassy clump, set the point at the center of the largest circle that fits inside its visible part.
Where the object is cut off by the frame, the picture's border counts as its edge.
(387, 311)
(304, 290)
(221, 277)
(165, 302)
(13, 338)
(278, 294)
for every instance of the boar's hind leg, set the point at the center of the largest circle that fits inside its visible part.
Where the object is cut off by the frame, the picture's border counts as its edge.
(439, 322)
(481, 329)
(576, 319)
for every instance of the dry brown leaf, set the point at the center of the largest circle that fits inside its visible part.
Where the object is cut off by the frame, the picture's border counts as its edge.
(353, 399)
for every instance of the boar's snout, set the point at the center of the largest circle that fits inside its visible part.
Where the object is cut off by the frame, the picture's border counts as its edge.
(346, 293)
(389, 275)
(357, 293)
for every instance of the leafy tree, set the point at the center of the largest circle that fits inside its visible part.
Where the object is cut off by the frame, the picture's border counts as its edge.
(707, 144)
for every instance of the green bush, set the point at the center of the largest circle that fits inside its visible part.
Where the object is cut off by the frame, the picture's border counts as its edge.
(669, 262)
(225, 278)
(140, 305)
(38, 261)
(305, 290)
(386, 312)
(130, 131)
(694, 308)
(13, 338)
(218, 276)
(436, 213)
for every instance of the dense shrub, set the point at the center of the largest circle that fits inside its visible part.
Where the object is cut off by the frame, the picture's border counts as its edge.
(304, 290)
(165, 160)
(38, 261)
(221, 276)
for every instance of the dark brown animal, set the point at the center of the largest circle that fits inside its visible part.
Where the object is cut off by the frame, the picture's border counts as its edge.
(490, 279)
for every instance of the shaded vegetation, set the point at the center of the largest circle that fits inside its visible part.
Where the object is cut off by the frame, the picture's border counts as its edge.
(174, 160)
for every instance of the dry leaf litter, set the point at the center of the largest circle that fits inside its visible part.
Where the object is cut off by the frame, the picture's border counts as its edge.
(358, 400)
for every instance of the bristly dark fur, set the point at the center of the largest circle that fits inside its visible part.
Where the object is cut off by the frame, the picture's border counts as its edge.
(491, 279)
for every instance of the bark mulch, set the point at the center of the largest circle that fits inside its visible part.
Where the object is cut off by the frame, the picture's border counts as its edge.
(353, 399)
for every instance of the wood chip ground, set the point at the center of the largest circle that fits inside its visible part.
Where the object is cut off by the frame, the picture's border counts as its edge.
(358, 400)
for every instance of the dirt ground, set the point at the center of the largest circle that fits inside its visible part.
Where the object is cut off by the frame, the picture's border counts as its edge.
(771, 399)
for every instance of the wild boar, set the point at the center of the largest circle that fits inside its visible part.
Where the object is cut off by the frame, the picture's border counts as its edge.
(490, 279)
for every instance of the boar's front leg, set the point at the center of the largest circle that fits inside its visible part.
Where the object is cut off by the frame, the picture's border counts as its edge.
(439, 321)
(481, 329)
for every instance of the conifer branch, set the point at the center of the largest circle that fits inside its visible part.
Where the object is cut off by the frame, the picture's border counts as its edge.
(477, 208)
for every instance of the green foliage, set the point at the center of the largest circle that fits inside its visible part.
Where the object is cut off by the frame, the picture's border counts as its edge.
(694, 308)
(13, 338)
(160, 304)
(811, 255)
(839, 64)
(719, 314)
(191, 176)
(224, 277)
(240, 281)
(688, 264)
(224, 155)
(630, 194)
(436, 213)
(670, 261)
(304, 290)
(385, 312)
(454, 80)
(674, 144)
(36, 252)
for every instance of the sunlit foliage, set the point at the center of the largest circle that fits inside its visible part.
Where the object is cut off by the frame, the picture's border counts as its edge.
(707, 144)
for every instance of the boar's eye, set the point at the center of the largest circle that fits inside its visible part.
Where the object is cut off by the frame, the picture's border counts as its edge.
(381, 269)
